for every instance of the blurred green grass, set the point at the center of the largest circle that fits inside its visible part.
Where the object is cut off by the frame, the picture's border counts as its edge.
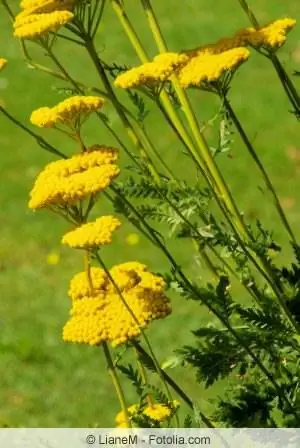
(45, 383)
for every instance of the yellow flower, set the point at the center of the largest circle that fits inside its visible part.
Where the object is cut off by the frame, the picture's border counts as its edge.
(53, 258)
(208, 67)
(120, 418)
(67, 111)
(92, 234)
(132, 239)
(159, 412)
(151, 73)
(3, 63)
(66, 181)
(96, 303)
(36, 25)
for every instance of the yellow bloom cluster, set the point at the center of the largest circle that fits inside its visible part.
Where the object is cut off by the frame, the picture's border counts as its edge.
(36, 25)
(38, 17)
(92, 234)
(3, 63)
(208, 67)
(157, 412)
(98, 312)
(150, 73)
(67, 111)
(67, 181)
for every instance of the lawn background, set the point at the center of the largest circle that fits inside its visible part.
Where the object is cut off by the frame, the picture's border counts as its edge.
(45, 383)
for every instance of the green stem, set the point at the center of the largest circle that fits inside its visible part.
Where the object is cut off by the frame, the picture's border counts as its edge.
(115, 380)
(259, 164)
(120, 294)
(42, 142)
(286, 82)
(89, 44)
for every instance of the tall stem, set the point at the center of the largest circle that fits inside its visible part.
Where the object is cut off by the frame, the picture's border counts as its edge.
(115, 380)
(286, 81)
(259, 164)
(89, 44)
(120, 294)
(110, 365)
(210, 166)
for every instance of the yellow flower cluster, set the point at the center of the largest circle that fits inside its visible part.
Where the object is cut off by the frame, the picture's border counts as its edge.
(208, 67)
(157, 412)
(36, 25)
(98, 312)
(150, 73)
(3, 63)
(67, 111)
(67, 181)
(92, 234)
(38, 17)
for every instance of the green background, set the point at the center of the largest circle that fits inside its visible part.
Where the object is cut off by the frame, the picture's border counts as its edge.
(44, 382)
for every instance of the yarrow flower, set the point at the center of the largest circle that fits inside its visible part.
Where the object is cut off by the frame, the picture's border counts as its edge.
(98, 312)
(3, 63)
(92, 234)
(208, 68)
(67, 111)
(157, 412)
(151, 73)
(36, 25)
(64, 182)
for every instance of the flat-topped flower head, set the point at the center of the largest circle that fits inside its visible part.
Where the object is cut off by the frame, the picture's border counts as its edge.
(159, 412)
(37, 25)
(65, 182)
(93, 234)
(207, 68)
(3, 63)
(66, 112)
(152, 73)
